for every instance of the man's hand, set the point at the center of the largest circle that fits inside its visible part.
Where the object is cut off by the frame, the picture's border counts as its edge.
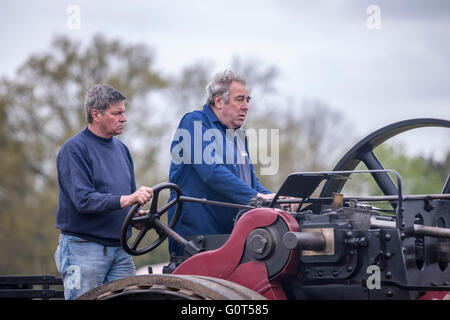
(141, 195)
(140, 225)
(288, 206)
(266, 196)
(285, 206)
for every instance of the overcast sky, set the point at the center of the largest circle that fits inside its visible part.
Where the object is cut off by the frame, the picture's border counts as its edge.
(378, 66)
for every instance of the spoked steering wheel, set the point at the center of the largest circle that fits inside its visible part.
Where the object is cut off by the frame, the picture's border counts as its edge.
(150, 221)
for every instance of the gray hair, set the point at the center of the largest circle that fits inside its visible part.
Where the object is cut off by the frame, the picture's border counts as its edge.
(100, 97)
(220, 86)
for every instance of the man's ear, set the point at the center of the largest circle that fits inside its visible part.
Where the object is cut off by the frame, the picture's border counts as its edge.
(95, 114)
(218, 102)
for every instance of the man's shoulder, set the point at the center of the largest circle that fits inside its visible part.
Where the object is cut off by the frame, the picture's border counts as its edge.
(119, 143)
(194, 115)
(75, 142)
(74, 145)
(82, 142)
(190, 118)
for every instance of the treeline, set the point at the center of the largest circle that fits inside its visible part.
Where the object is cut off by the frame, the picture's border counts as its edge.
(42, 105)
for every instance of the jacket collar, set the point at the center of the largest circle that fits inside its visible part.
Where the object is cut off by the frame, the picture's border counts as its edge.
(213, 118)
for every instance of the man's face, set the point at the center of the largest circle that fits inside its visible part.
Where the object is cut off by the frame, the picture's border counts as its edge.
(112, 122)
(232, 115)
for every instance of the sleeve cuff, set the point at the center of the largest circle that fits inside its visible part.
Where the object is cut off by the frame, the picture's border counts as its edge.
(115, 202)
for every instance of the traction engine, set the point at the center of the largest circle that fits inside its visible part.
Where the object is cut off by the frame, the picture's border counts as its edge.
(332, 247)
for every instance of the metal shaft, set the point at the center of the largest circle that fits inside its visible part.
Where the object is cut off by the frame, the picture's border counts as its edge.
(216, 203)
(304, 241)
(182, 241)
(418, 228)
(189, 246)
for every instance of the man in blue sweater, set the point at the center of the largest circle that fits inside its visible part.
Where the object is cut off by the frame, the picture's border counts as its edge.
(210, 160)
(96, 187)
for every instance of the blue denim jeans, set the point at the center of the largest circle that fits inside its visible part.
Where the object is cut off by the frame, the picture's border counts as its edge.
(85, 265)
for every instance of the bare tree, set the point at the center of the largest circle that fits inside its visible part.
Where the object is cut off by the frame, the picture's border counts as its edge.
(42, 106)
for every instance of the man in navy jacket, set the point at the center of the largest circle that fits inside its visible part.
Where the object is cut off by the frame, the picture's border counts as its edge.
(210, 160)
(96, 187)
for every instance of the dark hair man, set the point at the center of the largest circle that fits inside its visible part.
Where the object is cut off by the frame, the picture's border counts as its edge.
(96, 187)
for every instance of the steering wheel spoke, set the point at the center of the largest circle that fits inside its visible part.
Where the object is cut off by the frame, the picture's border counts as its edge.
(139, 238)
(169, 205)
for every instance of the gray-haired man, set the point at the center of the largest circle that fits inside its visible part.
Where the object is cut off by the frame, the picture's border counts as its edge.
(221, 173)
(96, 187)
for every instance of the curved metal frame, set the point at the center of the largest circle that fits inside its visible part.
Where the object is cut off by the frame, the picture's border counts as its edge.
(363, 151)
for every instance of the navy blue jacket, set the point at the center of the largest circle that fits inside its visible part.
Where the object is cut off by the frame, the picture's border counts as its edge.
(204, 178)
(93, 173)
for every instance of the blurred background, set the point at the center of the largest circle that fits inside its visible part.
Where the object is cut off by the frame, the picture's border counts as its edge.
(324, 73)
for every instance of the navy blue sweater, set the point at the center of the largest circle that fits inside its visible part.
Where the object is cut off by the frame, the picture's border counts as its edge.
(93, 173)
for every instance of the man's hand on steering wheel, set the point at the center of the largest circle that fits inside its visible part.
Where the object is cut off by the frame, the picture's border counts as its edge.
(146, 220)
(142, 195)
(141, 213)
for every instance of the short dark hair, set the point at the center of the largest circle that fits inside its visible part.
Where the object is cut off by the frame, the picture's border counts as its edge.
(100, 97)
